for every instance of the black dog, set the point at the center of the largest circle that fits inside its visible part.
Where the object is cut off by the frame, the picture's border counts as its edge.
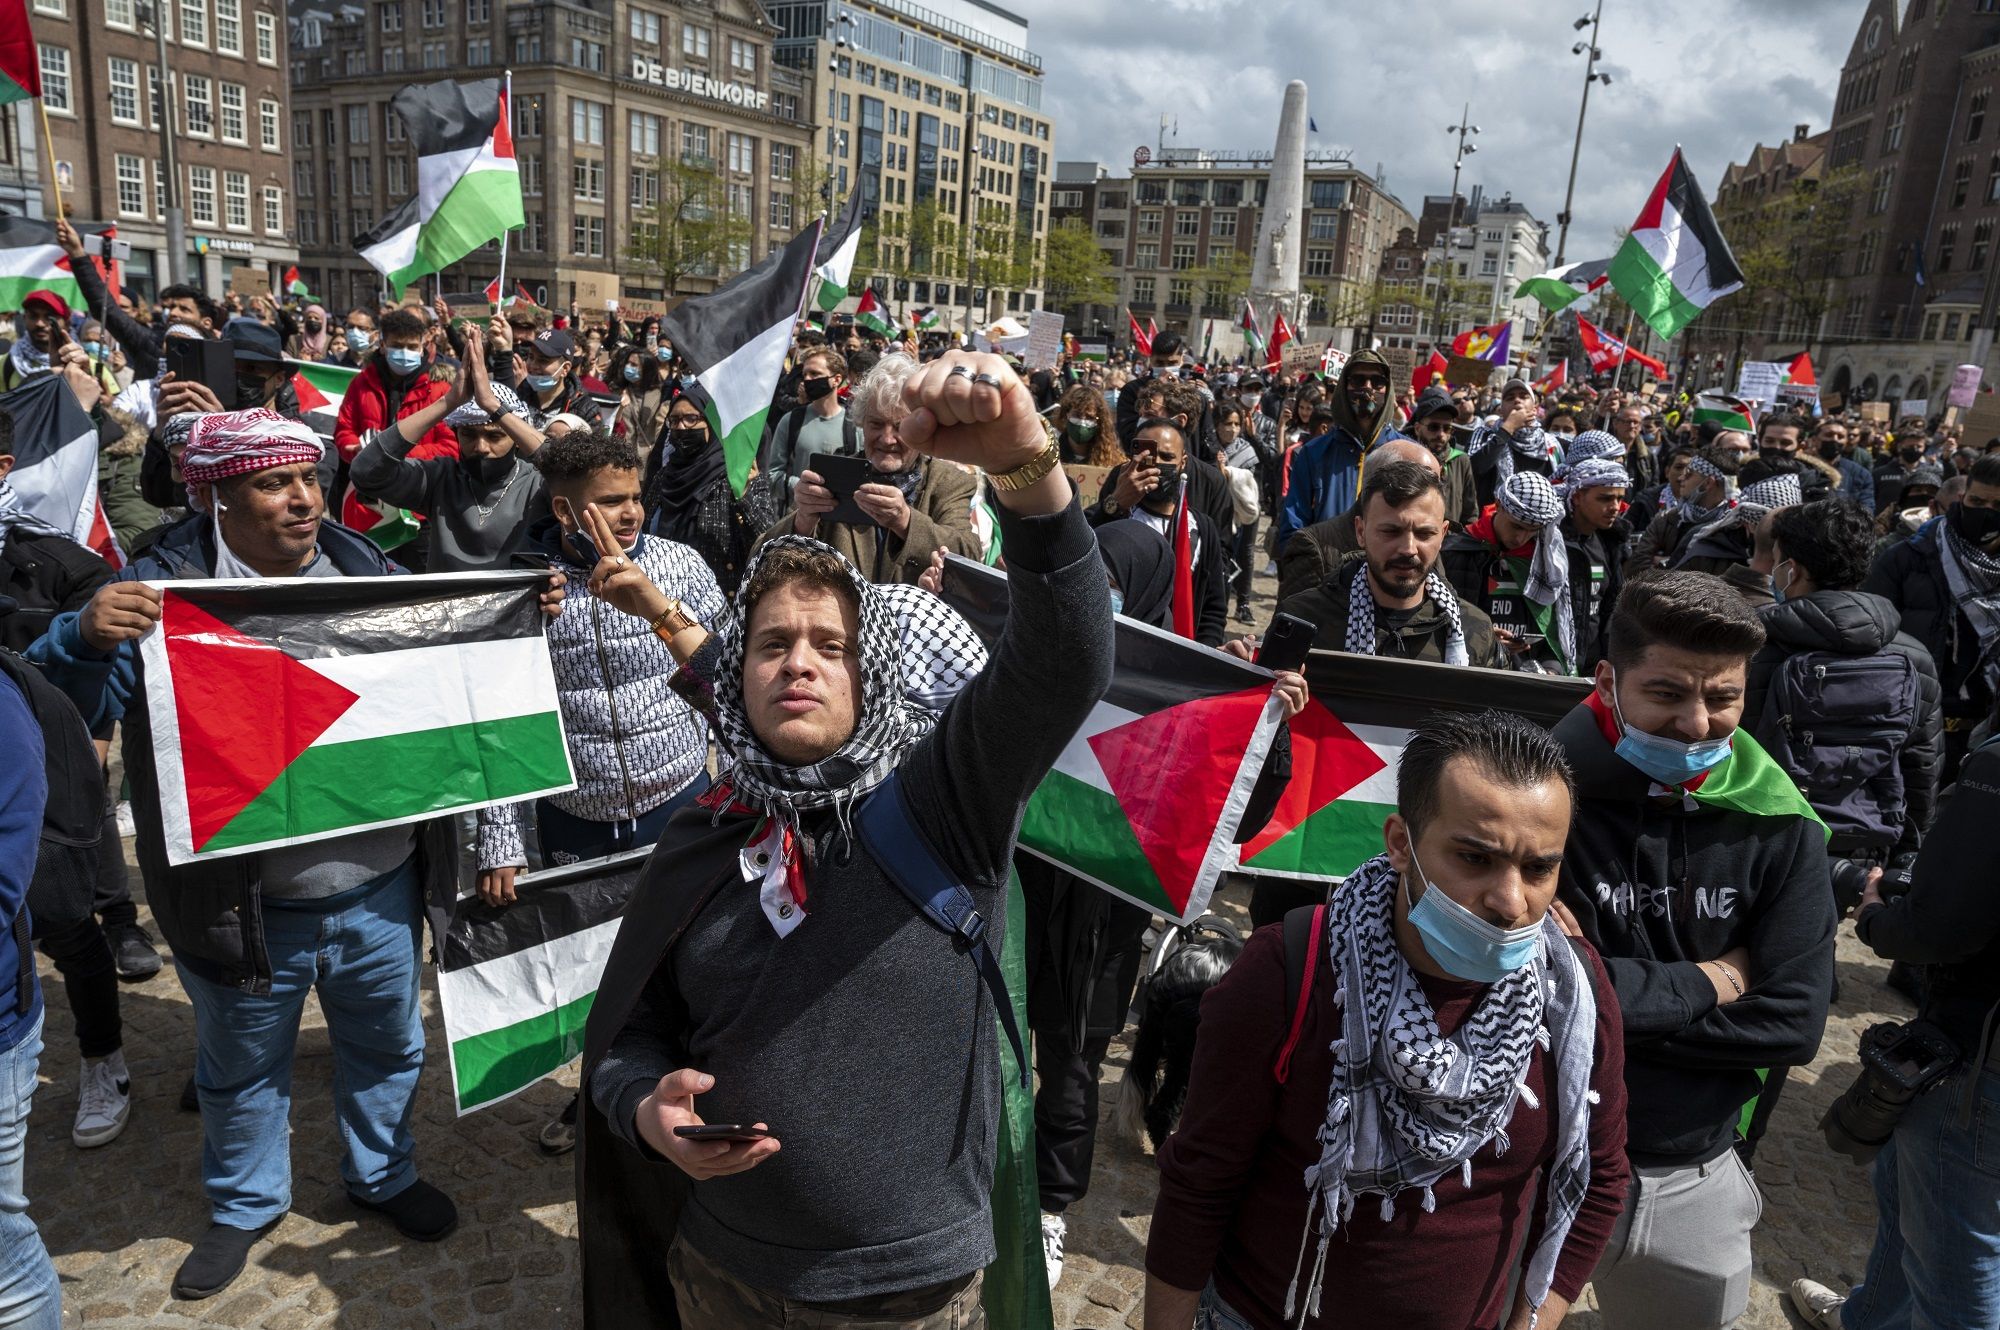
(1169, 1001)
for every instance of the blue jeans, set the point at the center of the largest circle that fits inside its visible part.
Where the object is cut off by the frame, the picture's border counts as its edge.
(1215, 1314)
(1936, 1262)
(30, 1296)
(360, 951)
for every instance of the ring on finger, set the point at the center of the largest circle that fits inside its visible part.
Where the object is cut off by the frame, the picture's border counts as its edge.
(958, 372)
(990, 380)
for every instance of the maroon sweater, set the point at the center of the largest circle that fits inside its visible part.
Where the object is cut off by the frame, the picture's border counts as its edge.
(1232, 1201)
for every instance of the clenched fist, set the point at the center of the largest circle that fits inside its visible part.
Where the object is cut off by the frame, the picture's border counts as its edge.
(119, 612)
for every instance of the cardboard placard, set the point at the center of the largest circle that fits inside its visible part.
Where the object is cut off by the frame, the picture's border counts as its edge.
(1982, 419)
(1917, 406)
(1964, 385)
(595, 290)
(1044, 339)
(1875, 413)
(1757, 381)
(1300, 356)
(637, 311)
(1089, 481)
(1333, 360)
(247, 282)
(1466, 372)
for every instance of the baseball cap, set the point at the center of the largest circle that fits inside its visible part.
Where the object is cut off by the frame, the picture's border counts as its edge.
(554, 342)
(50, 299)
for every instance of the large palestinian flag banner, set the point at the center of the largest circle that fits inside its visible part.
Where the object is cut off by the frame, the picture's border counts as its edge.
(1674, 262)
(1146, 799)
(516, 984)
(31, 259)
(288, 711)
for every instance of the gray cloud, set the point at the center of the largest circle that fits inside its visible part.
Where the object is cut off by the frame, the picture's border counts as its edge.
(1716, 76)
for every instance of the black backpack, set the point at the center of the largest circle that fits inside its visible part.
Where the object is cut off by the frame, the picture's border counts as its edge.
(63, 889)
(1838, 725)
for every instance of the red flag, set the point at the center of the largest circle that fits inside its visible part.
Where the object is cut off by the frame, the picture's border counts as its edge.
(1607, 352)
(1424, 375)
(1141, 339)
(1281, 332)
(1184, 623)
(1802, 370)
(1152, 330)
(521, 294)
(1554, 379)
(493, 293)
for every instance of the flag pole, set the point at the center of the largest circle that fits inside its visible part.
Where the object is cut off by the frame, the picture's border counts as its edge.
(506, 109)
(1624, 349)
(49, 138)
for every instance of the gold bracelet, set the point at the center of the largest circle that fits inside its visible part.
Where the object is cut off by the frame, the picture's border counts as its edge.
(671, 622)
(1030, 471)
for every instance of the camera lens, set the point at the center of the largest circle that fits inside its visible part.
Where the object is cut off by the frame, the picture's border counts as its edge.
(1849, 881)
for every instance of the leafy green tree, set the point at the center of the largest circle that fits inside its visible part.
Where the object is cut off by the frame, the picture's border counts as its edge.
(691, 232)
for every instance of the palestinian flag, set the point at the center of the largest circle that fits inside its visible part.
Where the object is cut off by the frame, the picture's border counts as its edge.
(390, 246)
(1141, 339)
(737, 337)
(871, 316)
(493, 297)
(1559, 288)
(1798, 381)
(1346, 743)
(1281, 333)
(320, 389)
(55, 462)
(833, 263)
(294, 284)
(1488, 344)
(1724, 409)
(1145, 800)
(289, 711)
(1674, 261)
(515, 984)
(925, 319)
(1749, 780)
(20, 61)
(1253, 338)
(468, 187)
(31, 260)
(1554, 379)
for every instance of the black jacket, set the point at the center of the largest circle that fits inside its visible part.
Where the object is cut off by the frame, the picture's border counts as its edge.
(1207, 490)
(141, 341)
(1422, 637)
(1950, 920)
(44, 575)
(1479, 571)
(1659, 885)
(1910, 577)
(1604, 548)
(1855, 623)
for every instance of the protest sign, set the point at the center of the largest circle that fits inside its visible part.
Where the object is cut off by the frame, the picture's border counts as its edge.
(1044, 340)
(1098, 351)
(249, 282)
(1333, 360)
(1916, 406)
(1964, 385)
(1875, 413)
(1089, 482)
(1758, 380)
(595, 290)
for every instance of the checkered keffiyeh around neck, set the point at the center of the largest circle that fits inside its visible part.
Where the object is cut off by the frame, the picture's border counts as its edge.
(1774, 492)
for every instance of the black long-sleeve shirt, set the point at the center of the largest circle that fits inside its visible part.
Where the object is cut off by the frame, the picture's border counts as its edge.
(141, 341)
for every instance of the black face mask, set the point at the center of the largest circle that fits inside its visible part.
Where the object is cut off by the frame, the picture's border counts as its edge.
(1910, 454)
(1978, 525)
(812, 390)
(487, 470)
(689, 437)
(252, 390)
(314, 325)
(1170, 476)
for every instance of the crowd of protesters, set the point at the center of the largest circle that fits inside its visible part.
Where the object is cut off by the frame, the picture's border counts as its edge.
(1529, 1047)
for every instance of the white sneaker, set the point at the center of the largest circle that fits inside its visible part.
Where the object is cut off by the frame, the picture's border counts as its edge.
(127, 826)
(1818, 1305)
(1054, 1230)
(103, 1101)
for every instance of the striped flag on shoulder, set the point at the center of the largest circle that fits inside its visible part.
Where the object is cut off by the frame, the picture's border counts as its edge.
(737, 337)
(379, 700)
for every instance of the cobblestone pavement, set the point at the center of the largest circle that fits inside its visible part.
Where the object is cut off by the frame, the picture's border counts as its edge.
(119, 1219)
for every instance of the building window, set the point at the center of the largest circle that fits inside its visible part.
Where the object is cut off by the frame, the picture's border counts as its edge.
(1323, 226)
(302, 179)
(1183, 257)
(392, 60)
(784, 162)
(742, 203)
(1222, 226)
(586, 55)
(742, 58)
(586, 237)
(1327, 194)
(1961, 182)
(267, 38)
(587, 179)
(1892, 128)
(357, 125)
(530, 166)
(694, 144)
(643, 187)
(1864, 257)
(236, 200)
(124, 91)
(201, 195)
(645, 27)
(1149, 223)
(1947, 244)
(302, 129)
(194, 24)
(1975, 117)
(1319, 263)
(229, 27)
(232, 101)
(694, 41)
(1187, 222)
(361, 176)
(274, 211)
(643, 134)
(1146, 255)
(1885, 184)
(1982, 245)
(131, 186)
(534, 235)
(118, 13)
(1142, 290)
(200, 106)
(742, 154)
(393, 129)
(55, 77)
(396, 175)
(781, 211)
(586, 122)
(1180, 293)
(527, 117)
(479, 51)
(267, 126)
(433, 13)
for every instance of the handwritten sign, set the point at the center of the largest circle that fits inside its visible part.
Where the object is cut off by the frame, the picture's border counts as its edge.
(1044, 340)
(1964, 385)
(1089, 481)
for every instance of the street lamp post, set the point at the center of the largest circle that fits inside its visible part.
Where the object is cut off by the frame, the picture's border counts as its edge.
(176, 220)
(1590, 75)
(1462, 128)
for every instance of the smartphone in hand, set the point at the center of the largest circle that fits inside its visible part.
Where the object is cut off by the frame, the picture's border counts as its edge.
(723, 1131)
(843, 473)
(1287, 643)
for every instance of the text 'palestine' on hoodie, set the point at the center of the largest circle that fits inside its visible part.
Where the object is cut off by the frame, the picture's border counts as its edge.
(1662, 884)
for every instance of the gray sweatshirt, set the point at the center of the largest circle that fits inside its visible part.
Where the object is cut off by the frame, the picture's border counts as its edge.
(864, 1038)
(471, 526)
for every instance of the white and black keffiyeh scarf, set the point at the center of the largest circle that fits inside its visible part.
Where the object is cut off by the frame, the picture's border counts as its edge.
(1408, 1107)
(472, 413)
(1973, 576)
(1532, 501)
(1773, 492)
(27, 360)
(1532, 444)
(1590, 445)
(14, 516)
(1361, 616)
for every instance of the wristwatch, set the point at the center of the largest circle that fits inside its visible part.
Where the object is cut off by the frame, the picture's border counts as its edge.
(672, 621)
(1030, 471)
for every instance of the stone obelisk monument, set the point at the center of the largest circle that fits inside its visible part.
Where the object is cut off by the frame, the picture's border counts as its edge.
(1274, 268)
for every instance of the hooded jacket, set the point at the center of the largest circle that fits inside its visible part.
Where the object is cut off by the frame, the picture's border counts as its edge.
(1858, 623)
(1325, 475)
(1910, 576)
(1660, 884)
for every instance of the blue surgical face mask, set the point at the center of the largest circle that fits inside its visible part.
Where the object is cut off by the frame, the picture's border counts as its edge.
(358, 339)
(1668, 761)
(632, 372)
(403, 360)
(1117, 601)
(1467, 946)
(687, 381)
(95, 350)
(541, 383)
(1777, 590)
(663, 354)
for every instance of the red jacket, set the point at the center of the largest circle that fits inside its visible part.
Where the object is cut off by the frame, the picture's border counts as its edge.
(364, 411)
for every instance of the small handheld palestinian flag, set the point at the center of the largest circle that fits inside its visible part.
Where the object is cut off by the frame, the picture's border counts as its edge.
(1674, 261)
(55, 462)
(468, 184)
(31, 259)
(736, 337)
(1559, 288)
(320, 389)
(833, 263)
(294, 284)
(1146, 799)
(292, 711)
(871, 316)
(1253, 337)
(1724, 409)
(925, 319)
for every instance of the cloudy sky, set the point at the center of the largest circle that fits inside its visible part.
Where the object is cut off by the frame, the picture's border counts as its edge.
(1716, 76)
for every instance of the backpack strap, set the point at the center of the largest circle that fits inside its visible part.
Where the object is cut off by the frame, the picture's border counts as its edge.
(1303, 928)
(891, 836)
